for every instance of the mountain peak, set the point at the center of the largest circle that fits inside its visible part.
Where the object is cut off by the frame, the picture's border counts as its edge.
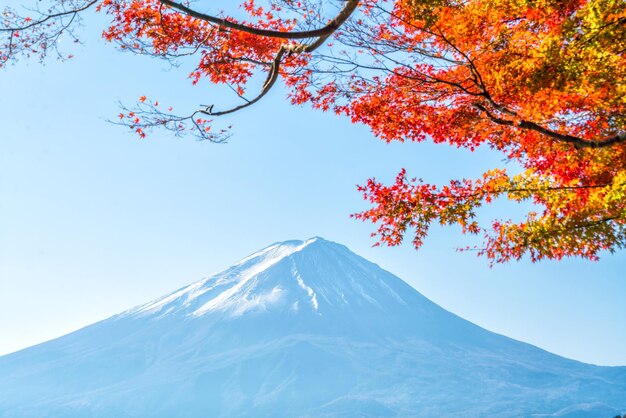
(291, 277)
(283, 249)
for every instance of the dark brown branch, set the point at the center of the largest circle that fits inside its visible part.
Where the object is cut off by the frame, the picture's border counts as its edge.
(272, 76)
(330, 27)
(579, 143)
(498, 193)
(274, 71)
(592, 224)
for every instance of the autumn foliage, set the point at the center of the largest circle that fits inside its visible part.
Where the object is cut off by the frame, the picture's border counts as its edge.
(541, 81)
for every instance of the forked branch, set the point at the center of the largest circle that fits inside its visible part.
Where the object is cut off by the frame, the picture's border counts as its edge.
(289, 49)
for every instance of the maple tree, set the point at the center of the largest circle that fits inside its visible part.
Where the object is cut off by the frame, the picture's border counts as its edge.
(541, 81)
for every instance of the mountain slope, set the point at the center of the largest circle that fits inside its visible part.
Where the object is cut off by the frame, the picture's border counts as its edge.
(299, 329)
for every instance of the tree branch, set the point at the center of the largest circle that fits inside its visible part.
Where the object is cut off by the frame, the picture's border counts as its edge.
(274, 71)
(327, 30)
(49, 17)
(579, 143)
(272, 76)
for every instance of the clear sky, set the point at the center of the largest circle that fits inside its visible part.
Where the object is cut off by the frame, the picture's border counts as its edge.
(94, 221)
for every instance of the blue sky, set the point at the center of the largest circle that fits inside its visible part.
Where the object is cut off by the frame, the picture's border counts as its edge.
(94, 221)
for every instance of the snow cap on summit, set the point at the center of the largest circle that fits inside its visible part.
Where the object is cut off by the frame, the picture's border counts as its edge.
(289, 277)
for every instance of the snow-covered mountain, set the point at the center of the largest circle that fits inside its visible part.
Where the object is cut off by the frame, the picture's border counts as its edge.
(299, 329)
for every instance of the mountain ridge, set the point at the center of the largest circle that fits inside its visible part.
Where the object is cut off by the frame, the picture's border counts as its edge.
(299, 328)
